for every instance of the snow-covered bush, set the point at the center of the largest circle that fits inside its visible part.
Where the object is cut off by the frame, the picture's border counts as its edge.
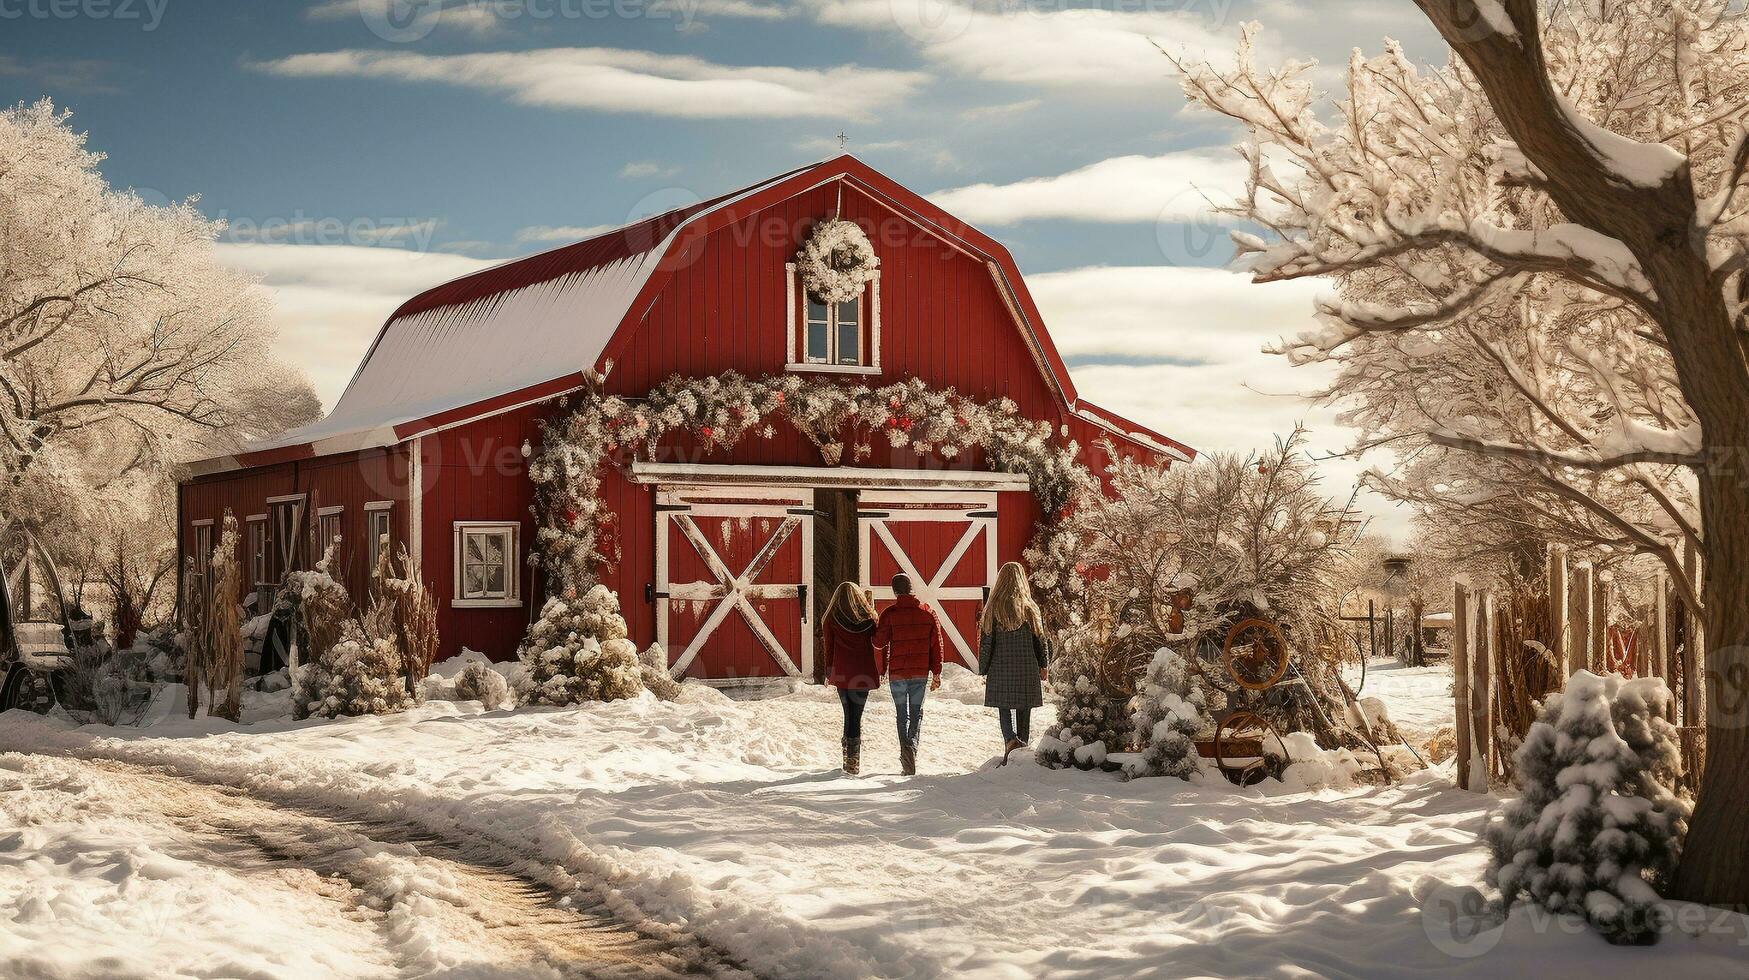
(360, 675)
(354, 664)
(479, 682)
(1091, 723)
(1167, 714)
(653, 667)
(1597, 827)
(578, 651)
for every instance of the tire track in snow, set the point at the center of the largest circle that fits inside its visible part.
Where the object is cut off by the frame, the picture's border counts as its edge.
(441, 905)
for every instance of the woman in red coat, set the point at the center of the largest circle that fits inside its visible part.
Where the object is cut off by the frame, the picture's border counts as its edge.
(846, 632)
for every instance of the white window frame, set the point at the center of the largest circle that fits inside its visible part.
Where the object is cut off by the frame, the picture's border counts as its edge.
(869, 317)
(374, 512)
(259, 542)
(334, 517)
(512, 565)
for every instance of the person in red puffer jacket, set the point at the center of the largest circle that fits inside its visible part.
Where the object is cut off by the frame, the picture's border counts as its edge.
(846, 640)
(907, 645)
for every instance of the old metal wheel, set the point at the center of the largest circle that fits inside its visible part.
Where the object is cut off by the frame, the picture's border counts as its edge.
(1239, 747)
(30, 690)
(1255, 654)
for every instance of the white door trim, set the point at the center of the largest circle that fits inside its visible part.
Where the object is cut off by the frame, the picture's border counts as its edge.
(735, 591)
(875, 509)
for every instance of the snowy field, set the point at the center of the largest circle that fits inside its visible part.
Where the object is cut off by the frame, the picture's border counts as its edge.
(727, 821)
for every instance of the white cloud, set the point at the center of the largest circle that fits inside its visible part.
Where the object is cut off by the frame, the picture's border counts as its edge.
(1172, 187)
(620, 80)
(1003, 111)
(560, 233)
(1045, 44)
(330, 300)
(638, 169)
(1180, 350)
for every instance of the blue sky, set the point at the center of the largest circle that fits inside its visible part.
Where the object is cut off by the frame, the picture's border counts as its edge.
(362, 149)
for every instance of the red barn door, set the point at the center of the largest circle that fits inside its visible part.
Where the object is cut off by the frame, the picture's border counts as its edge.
(946, 542)
(731, 568)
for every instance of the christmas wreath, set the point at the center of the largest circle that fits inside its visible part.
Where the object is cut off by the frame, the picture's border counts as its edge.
(836, 261)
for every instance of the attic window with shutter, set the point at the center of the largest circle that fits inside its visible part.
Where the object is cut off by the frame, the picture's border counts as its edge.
(843, 338)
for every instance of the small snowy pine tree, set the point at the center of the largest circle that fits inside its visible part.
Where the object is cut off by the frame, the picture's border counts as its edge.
(1090, 723)
(578, 651)
(1596, 828)
(1167, 714)
(354, 664)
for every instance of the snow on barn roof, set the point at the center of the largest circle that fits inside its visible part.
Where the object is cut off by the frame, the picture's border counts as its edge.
(445, 348)
(446, 355)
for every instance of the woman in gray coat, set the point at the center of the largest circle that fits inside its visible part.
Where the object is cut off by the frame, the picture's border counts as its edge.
(1012, 655)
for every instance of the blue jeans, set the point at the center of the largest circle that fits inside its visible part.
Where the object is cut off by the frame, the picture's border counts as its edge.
(853, 702)
(908, 707)
(1015, 722)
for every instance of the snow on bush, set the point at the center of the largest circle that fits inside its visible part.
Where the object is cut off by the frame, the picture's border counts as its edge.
(1597, 827)
(1091, 724)
(355, 665)
(1306, 766)
(360, 675)
(578, 651)
(653, 667)
(1167, 714)
(479, 682)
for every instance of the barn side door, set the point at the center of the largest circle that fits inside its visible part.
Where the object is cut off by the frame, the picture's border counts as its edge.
(733, 566)
(946, 542)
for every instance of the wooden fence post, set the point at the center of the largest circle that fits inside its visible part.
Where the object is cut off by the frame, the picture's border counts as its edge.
(1481, 695)
(1563, 639)
(1580, 613)
(1461, 634)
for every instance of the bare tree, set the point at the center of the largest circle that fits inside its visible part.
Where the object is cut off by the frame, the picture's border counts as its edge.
(1541, 251)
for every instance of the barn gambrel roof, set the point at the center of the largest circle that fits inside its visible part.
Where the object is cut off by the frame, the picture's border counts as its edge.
(526, 329)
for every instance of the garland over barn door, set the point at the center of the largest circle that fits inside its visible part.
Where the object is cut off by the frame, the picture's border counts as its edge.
(946, 541)
(732, 571)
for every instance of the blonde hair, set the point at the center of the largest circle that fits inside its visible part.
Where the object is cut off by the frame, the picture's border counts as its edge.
(1010, 605)
(850, 598)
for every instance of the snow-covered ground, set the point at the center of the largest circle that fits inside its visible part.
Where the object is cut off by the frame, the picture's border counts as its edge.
(1419, 698)
(727, 820)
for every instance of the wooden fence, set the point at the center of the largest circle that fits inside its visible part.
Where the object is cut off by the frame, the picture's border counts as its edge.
(1578, 633)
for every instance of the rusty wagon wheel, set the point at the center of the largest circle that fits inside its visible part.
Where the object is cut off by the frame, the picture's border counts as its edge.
(1239, 747)
(1123, 663)
(1255, 654)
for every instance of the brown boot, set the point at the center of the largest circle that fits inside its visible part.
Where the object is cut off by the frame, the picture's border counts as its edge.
(852, 756)
(908, 760)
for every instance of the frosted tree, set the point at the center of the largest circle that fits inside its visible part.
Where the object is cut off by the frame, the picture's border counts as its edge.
(1597, 826)
(1540, 250)
(1167, 716)
(125, 346)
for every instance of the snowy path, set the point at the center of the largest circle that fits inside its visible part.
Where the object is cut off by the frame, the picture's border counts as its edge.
(728, 822)
(160, 863)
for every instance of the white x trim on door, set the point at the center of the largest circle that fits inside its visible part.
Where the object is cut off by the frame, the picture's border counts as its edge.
(974, 510)
(733, 592)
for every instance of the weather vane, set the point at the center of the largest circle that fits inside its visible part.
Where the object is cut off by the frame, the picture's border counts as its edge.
(842, 139)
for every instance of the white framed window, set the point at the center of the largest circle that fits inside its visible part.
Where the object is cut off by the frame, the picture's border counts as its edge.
(377, 530)
(840, 338)
(285, 532)
(258, 550)
(487, 559)
(328, 526)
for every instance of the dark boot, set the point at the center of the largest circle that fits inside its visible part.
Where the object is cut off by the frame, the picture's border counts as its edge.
(852, 756)
(908, 759)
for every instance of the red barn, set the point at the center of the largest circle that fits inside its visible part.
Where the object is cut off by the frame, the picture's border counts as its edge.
(726, 556)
